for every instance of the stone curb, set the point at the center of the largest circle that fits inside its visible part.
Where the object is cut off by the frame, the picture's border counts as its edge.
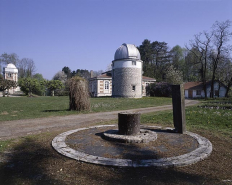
(203, 151)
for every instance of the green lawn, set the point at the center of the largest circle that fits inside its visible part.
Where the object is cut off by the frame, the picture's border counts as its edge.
(15, 108)
(211, 118)
(209, 115)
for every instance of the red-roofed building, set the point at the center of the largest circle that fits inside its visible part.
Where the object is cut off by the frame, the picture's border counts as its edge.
(102, 84)
(196, 90)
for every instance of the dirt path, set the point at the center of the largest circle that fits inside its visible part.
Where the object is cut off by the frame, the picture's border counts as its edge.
(18, 128)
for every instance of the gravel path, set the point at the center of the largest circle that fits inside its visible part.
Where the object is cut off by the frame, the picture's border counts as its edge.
(18, 128)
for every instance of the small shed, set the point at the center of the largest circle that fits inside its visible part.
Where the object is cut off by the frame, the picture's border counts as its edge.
(196, 90)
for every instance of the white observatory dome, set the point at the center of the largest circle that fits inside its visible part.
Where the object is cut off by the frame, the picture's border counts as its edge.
(126, 51)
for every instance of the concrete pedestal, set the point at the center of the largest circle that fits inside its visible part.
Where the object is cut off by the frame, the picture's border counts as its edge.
(178, 103)
(128, 123)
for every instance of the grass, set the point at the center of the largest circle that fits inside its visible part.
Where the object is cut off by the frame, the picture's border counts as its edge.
(31, 159)
(216, 120)
(5, 145)
(37, 107)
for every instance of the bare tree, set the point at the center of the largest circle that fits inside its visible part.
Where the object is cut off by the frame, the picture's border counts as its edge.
(200, 48)
(109, 67)
(97, 73)
(8, 58)
(224, 74)
(221, 50)
(26, 68)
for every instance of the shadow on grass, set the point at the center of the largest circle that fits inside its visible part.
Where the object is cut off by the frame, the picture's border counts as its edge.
(148, 176)
(64, 110)
(27, 165)
(154, 175)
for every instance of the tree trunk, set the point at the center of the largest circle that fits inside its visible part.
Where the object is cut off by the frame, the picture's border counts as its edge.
(212, 85)
(219, 87)
(53, 93)
(228, 88)
(8, 90)
(205, 89)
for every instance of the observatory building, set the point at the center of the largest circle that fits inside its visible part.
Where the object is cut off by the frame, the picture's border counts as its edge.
(127, 72)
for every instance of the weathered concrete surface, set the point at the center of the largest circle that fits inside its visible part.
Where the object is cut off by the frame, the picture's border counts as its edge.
(203, 151)
(144, 136)
(18, 128)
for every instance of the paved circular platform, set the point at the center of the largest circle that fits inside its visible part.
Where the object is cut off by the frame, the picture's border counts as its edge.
(170, 149)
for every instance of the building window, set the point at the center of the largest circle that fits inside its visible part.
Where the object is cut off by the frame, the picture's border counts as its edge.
(134, 63)
(133, 87)
(106, 85)
(198, 92)
(9, 74)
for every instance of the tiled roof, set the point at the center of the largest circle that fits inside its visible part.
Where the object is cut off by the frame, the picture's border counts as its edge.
(104, 75)
(145, 78)
(193, 85)
(198, 85)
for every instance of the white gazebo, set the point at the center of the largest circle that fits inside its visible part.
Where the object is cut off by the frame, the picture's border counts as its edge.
(10, 72)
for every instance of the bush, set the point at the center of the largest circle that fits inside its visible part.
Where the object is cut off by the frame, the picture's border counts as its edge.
(78, 94)
(160, 89)
(31, 86)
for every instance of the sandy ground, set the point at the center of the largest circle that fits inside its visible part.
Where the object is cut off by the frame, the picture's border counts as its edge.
(18, 128)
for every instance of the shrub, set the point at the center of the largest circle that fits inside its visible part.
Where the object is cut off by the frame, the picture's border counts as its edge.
(78, 94)
(160, 89)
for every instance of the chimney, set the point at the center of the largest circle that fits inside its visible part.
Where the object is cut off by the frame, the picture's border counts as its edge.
(91, 74)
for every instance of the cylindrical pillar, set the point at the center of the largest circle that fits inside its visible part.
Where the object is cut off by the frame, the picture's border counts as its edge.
(128, 123)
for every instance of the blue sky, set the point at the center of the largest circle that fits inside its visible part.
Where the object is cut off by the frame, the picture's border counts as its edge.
(85, 34)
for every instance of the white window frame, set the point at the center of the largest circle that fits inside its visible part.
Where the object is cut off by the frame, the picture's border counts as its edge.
(107, 85)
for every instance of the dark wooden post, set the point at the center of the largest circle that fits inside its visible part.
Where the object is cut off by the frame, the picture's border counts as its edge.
(128, 123)
(178, 103)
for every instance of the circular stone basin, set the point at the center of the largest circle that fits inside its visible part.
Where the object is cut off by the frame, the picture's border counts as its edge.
(144, 136)
(169, 150)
